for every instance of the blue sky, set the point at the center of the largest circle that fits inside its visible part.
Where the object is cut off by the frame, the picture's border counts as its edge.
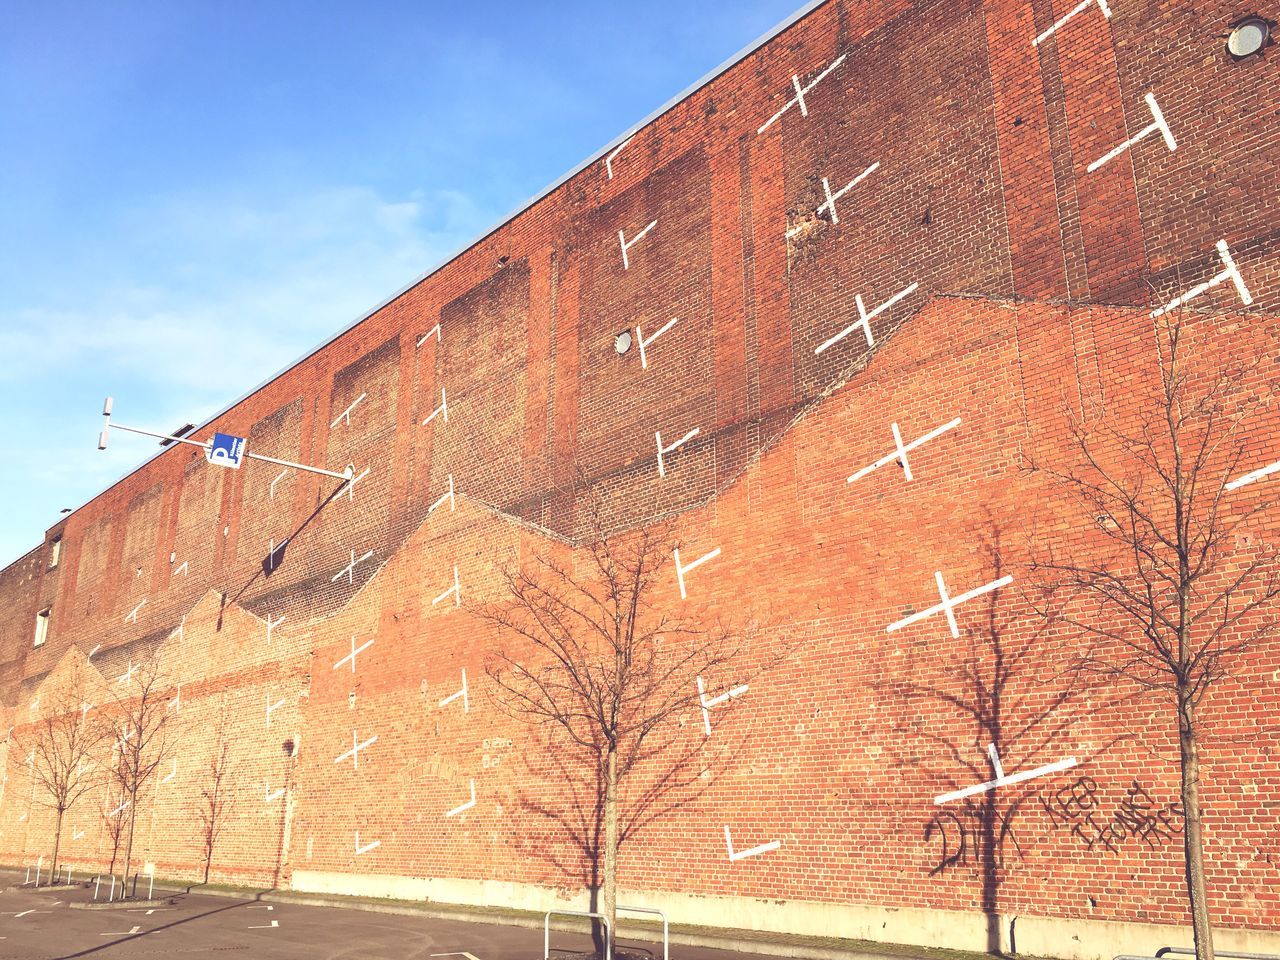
(194, 194)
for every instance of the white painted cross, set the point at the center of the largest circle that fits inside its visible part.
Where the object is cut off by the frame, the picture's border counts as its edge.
(351, 484)
(433, 332)
(172, 773)
(949, 604)
(442, 409)
(1232, 273)
(466, 704)
(1080, 7)
(132, 616)
(800, 92)
(184, 568)
(833, 197)
(900, 453)
(128, 674)
(350, 569)
(270, 796)
(354, 752)
(346, 414)
(682, 570)
(351, 657)
(272, 707)
(662, 451)
(627, 245)
(753, 852)
(367, 847)
(466, 806)
(120, 809)
(1003, 780)
(608, 161)
(453, 503)
(272, 624)
(716, 701)
(456, 590)
(280, 476)
(1253, 475)
(77, 834)
(864, 318)
(176, 703)
(1157, 124)
(644, 357)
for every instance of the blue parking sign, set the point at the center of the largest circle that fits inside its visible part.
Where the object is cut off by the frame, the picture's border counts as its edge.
(226, 450)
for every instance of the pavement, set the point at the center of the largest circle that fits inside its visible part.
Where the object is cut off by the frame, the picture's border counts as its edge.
(44, 926)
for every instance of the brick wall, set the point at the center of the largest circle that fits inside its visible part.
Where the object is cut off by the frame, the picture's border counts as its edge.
(1019, 285)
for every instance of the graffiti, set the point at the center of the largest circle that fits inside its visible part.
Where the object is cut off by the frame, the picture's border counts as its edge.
(948, 825)
(1076, 807)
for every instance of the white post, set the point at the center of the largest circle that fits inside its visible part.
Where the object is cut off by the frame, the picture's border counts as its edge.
(97, 882)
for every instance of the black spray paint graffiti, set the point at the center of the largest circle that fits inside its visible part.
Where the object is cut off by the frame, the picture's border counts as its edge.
(1076, 807)
(953, 833)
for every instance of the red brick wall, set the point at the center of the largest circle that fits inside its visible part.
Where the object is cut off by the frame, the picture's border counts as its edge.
(1033, 281)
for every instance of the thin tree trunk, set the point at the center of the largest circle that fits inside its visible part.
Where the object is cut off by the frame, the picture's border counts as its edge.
(1193, 829)
(128, 846)
(610, 908)
(57, 843)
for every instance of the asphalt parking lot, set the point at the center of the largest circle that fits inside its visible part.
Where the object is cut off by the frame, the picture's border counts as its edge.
(43, 926)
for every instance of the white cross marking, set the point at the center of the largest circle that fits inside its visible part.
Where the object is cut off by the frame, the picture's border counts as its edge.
(269, 795)
(662, 468)
(453, 503)
(644, 358)
(272, 624)
(350, 569)
(466, 806)
(833, 197)
(900, 454)
(184, 569)
(682, 570)
(354, 752)
(456, 590)
(272, 707)
(1001, 780)
(128, 674)
(354, 651)
(753, 852)
(172, 773)
(1232, 273)
(608, 161)
(1102, 5)
(949, 604)
(367, 847)
(864, 318)
(346, 414)
(132, 616)
(351, 484)
(120, 809)
(715, 701)
(466, 703)
(76, 834)
(433, 332)
(442, 409)
(627, 245)
(800, 92)
(1158, 123)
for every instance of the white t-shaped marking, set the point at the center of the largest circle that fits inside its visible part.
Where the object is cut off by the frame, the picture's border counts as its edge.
(833, 197)
(1158, 123)
(466, 806)
(1232, 273)
(628, 244)
(466, 703)
(682, 570)
(1083, 5)
(1001, 780)
(662, 451)
(351, 657)
(354, 752)
(753, 852)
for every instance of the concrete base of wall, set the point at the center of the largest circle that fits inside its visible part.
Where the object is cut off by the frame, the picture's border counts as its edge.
(1067, 938)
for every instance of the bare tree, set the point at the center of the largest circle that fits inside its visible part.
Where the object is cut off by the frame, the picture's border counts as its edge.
(216, 795)
(62, 744)
(589, 654)
(1178, 589)
(140, 726)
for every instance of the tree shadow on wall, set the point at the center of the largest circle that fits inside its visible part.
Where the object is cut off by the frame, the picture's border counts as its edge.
(1019, 708)
(569, 805)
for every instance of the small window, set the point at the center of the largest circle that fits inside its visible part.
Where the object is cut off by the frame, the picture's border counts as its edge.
(55, 551)
(42, 626)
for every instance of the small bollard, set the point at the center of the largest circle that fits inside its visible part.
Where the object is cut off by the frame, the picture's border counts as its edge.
(38, 866)
(28, 878)
(112, 895)
(97, 882)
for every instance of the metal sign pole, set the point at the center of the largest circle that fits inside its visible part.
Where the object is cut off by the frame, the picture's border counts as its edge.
(207, 446)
